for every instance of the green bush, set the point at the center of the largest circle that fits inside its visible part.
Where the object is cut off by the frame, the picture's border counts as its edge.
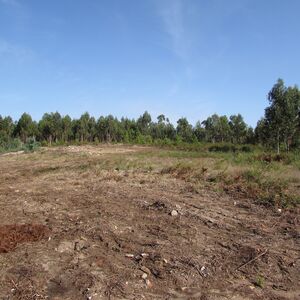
(227, 147)
(31, 145)
(10, 145)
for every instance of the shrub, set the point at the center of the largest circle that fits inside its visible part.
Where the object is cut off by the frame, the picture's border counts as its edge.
(260, 281)
(31, 145)
(222, 148)
(10, 145)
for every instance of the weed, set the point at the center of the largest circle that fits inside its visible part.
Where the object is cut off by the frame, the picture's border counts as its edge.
(260, 281)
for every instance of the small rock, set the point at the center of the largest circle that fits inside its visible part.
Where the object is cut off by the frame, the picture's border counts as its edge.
(129, 255)
(174, 213)
(65, 246)
(279, 210)
(145, 270)
(203, 271)
(80, 245)
(149, 284)
(144, 276)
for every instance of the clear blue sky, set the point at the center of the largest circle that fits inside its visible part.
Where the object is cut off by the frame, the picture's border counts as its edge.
(178, 57)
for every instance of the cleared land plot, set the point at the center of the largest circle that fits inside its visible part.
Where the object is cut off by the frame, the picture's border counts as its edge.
(81, 222)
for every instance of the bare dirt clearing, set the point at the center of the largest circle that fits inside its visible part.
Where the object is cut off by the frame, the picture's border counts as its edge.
(106, 231)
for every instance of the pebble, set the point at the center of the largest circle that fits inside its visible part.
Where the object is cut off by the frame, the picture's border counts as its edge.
(174, 213)
(129, 255)
(65, 246)
(145, 270)
(149, 284)
(80, 245)
(144, 276)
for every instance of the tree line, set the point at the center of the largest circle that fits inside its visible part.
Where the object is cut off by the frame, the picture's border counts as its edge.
(280, 126)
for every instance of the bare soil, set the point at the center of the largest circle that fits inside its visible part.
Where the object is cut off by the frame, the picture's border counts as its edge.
(96, 223)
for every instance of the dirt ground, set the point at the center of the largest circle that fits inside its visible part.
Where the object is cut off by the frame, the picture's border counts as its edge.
(105, 223)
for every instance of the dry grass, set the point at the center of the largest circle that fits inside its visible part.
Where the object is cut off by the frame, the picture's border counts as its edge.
(108, 212)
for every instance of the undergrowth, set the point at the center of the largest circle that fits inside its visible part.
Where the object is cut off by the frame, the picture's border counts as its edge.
(15, 145)
(257, 180)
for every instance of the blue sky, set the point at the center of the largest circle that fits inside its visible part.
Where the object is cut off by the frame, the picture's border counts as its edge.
(187, 58)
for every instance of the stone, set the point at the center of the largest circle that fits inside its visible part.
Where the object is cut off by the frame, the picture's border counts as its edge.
(80, 245)
(174, 213)
(65, 246)
(148, 283)
(145, 270)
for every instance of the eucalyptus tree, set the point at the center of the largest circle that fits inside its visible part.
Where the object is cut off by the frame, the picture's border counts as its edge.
(199, 132)
(66, 127)
(46, 128)
(83, 128)
(6, 128)
(185, 130)
(238, 128)
(217, 128)
(144, 122)
(162, 129)
(223, 129)
(282, 114)
(50, 127)
(130, 129)
(26, 127)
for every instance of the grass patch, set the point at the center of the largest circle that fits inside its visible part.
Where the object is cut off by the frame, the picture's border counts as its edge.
(240, 176)
(15, 145)
(259, 281)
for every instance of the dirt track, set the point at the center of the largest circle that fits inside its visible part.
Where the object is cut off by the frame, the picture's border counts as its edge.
(110, 234)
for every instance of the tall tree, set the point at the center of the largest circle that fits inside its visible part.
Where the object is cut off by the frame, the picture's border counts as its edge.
(217, 128)
(83, 129)
(144, 122)
(199, 131)
(282, 114)
(6, 128)
(185, 130)
(66, 124)
(26, 127)
(238, 128)
(46, 128)
(50, 127)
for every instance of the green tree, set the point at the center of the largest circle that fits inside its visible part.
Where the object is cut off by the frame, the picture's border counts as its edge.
(223, 129)
(66, 124)
(6, 128)
(282, 114)
(199, 131)
(217, 128)
(185, 130)
(238, 129)
(250, 136)
(26, 127)
(46, 128)
(84, 125)
(50, 127)
(144, 122)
